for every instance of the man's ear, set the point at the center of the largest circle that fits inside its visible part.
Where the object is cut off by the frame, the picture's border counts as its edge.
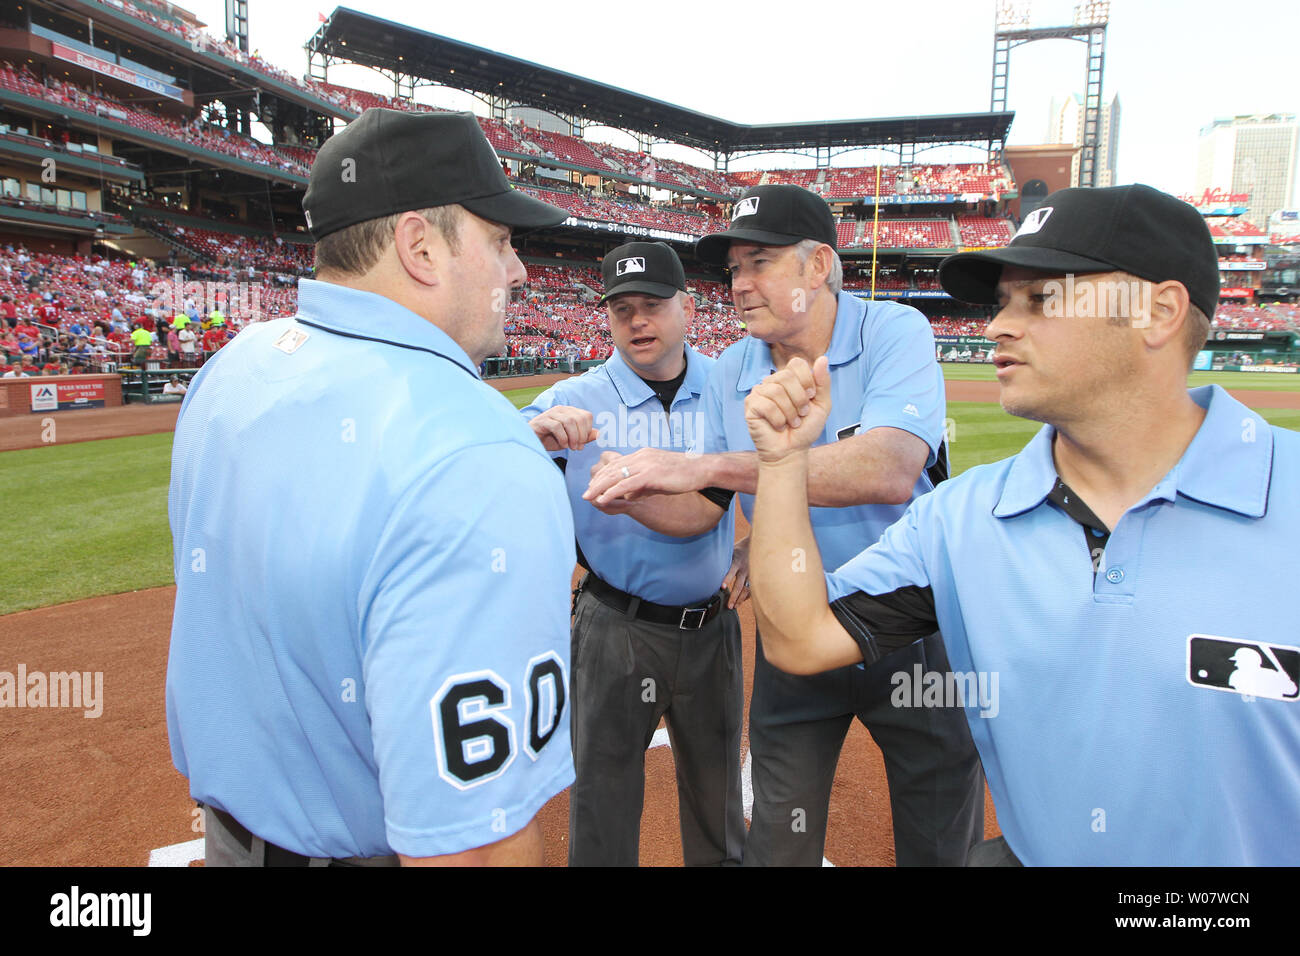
(688, 306)
(1161, 320)
(420, 248)
(819, 264)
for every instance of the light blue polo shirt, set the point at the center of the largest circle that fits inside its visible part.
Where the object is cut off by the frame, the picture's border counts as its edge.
(627, 413)
(883, 373)
(1117, 732)
(372, 556)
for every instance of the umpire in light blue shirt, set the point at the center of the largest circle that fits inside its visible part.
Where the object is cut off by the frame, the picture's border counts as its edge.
(1113, 597)
(655, 634)
(882, 447)
(369, 656)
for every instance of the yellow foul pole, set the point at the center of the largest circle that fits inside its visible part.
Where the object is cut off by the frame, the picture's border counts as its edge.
(875, 232)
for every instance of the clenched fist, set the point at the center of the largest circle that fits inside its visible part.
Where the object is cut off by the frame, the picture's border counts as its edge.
(787, 411)
(564, 426)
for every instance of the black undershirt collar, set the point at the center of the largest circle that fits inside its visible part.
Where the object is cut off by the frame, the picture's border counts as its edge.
(666, 391)
(1095, 532)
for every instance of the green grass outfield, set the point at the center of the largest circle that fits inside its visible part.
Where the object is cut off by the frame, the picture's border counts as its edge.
(85, 519)
(91, 518)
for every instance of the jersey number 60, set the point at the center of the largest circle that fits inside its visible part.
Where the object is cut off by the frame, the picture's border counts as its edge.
(472, 726)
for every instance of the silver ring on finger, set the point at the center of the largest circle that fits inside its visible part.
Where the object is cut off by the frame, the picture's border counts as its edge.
(626, 473)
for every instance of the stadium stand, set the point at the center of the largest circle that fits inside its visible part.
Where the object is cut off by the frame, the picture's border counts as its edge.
(196, 134)
(910, 234)
(234, 251)
(1235, 227)
(983, 231)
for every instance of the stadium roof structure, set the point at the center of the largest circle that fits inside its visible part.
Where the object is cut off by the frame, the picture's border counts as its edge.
(382, 44)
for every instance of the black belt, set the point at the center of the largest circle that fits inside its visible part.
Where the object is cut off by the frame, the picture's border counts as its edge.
(275, 855)
(682, 618)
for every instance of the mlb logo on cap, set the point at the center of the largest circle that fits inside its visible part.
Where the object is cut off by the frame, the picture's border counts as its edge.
(1033, 222)
(746, 207)
(648, 268)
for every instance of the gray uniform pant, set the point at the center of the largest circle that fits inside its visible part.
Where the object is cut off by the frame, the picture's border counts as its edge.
(796, 729)
(626, 675)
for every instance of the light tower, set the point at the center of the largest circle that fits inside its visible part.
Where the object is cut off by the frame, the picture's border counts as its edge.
(1011, 29)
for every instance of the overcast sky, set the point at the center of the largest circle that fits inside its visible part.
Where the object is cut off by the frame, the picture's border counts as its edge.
(1175, 65)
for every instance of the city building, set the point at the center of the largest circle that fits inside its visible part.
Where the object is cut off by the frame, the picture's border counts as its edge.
(1255, 155)
(1065, 125)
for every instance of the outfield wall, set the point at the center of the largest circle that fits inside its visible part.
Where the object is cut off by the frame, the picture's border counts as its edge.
(58, 393)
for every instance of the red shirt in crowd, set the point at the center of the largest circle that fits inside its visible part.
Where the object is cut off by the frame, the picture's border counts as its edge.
(27, 329)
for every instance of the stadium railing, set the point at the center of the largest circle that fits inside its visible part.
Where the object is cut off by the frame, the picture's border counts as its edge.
(146, 385)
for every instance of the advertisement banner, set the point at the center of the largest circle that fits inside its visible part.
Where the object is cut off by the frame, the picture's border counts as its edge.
(900, 293)
(1215, 199)
(899, 199)
(88, 62)
(628, 229)
(81, 395)
(45, 397)
(1249, 265)
(1240, 240)
(1203, 360)
(1234, 292)
(64, 396)
(1238, 336)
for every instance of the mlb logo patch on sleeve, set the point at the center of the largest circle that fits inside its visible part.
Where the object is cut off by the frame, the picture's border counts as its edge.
(1249, 668)
(290, 341)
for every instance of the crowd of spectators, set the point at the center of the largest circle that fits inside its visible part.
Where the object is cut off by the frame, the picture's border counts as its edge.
(1226, 226)
(234, 252)
(1276, 317)
(909, 234)
(947, 325)
(196, 132)
(78, 314)
(857, 182)
(160, 16)
(70, 314)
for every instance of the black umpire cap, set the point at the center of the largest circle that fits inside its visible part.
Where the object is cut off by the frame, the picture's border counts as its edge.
(777, 215)
(1133, 229)
(391, 161)
(651, 268)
